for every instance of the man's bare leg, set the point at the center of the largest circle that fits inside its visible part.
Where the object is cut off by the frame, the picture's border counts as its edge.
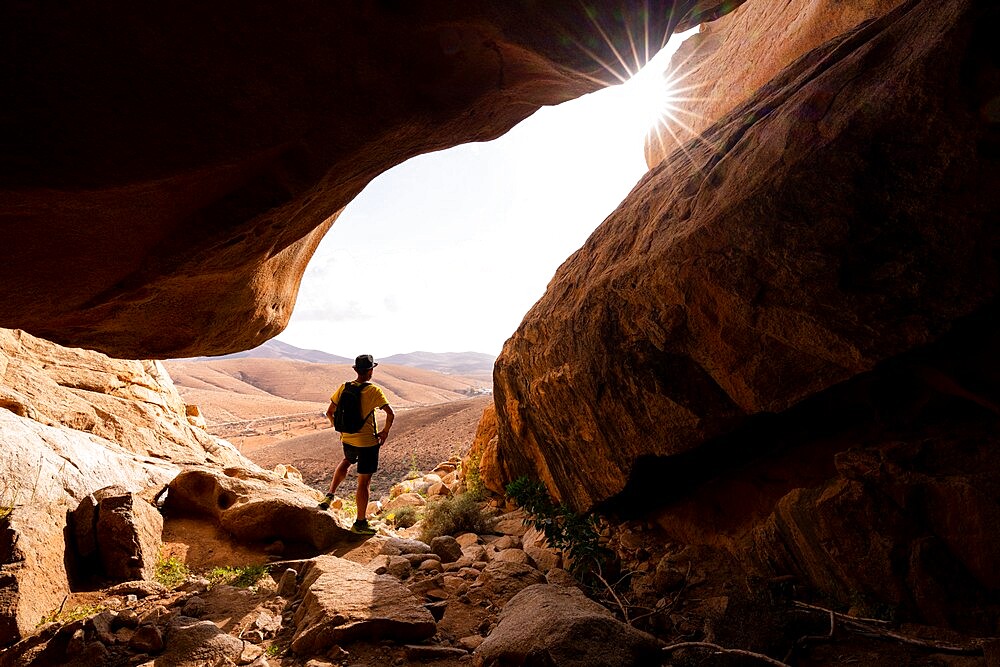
(362, 495)
(339, 475)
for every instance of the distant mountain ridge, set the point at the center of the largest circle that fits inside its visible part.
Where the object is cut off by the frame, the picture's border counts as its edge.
(450, 363)
(275, 349)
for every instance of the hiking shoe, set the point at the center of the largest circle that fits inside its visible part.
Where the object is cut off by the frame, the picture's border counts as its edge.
(325, 503)
(361, 527)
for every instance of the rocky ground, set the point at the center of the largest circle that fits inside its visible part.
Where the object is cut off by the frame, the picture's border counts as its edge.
(496, 597)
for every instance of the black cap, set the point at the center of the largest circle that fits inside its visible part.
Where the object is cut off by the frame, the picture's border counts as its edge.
(364, 362)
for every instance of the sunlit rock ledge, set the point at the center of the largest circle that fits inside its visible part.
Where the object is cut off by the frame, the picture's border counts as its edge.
(169, 169)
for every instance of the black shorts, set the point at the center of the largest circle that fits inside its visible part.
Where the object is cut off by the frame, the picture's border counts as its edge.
(365, 457)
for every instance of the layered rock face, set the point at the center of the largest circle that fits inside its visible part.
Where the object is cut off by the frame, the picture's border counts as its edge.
(177, 165)
(71, 422)
(723, 64)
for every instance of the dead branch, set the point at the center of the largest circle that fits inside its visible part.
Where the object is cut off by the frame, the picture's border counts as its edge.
(865, 626)
(843, 617)
(614, 595)
(730, 651)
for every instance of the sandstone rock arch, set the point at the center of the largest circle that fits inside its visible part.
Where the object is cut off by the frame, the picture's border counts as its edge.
(168, 170)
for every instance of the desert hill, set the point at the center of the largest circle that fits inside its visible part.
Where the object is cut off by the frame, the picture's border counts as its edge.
(249, 388)
(420, 438)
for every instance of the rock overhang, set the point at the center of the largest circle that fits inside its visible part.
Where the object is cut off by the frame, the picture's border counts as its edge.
(170, 170)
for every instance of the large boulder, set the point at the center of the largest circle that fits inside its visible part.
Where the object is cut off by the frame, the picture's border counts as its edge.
(556, 625)
(33, 576)
(128, 532)
(255, 506)
(178, 164)
(346, 601)
(838, 219)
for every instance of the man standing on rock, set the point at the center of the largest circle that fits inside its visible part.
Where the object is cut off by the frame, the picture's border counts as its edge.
(362, 446)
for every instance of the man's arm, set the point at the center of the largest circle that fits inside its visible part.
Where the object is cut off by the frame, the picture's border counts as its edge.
(330, 410)
(389, 416)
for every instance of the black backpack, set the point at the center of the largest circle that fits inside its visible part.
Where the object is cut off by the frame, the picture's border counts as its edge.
(348, 418)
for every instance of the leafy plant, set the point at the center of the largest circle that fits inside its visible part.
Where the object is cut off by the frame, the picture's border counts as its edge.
(574, 534)
(171, 571)
(474, 486)
(74, 614)
(454, 516)
(414, 470)
(241, 577)
(404, 517)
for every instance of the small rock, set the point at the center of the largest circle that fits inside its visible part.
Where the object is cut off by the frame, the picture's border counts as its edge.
(288, 584)
(147, 639)
(436, 594)
(250, 653)
(430, 566)
(513, 556)
(417, 559)
(438, 489)
(195, 585)
(138, 588)
(102, 624)
(559, 577)
(397, 566)
(405, 500)
(194, 607)
(267, 623)
(471, 643)
(123, 636)
(506, 542)
(405, 546)
(126, 618)
(467, 539)
(77, 642)
(158, 615)
(447, 547)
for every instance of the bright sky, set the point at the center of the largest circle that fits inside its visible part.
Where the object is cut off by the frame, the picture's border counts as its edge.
(448, 251)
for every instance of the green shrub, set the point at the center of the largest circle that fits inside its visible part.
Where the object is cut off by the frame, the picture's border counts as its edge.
(454, 516)
(74, 614)
(474, 486)
(404, 517)
(574, 534)
(171, 571)
(241, 577)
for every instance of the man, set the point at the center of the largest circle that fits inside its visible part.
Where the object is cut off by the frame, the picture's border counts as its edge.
(361, 447)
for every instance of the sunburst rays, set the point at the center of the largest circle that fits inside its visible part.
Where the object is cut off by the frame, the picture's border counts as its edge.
(660, 92)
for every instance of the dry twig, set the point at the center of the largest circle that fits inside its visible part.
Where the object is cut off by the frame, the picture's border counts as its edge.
(868, 627)
(729, 651)
(614, 595)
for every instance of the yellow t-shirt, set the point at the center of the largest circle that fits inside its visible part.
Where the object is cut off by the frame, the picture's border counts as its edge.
(372, 398)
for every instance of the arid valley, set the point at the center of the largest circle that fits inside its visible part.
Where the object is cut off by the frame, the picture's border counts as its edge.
(272, 410)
